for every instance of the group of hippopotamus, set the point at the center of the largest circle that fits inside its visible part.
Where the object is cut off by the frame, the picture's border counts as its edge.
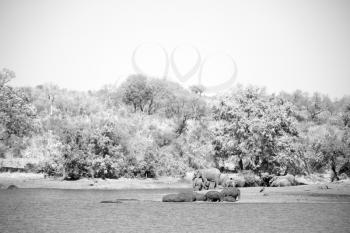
(207, 179)
(230, 194)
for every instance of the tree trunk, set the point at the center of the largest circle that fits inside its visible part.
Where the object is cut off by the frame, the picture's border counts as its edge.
(240, 164)
(334, 175)
(141, 107)
(64, 173)
(307, 168)
(150, 107)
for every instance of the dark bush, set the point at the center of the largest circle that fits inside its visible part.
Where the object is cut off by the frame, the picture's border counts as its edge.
(31, 167)
(50, 168)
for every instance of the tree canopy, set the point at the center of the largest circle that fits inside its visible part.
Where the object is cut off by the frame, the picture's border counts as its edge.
(148, 127)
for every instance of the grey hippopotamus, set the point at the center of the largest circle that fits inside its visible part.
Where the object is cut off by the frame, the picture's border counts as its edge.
(200, 197)
(231, 192)
(12, 186)
(179, 197)
(213, 196)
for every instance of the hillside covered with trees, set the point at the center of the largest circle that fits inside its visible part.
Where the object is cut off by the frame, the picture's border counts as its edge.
(150, 127)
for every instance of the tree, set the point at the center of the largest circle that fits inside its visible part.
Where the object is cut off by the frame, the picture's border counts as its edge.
(316, 106)
(136, 92)
(166, 98)
(159, 90)
(17, 114)
(346, 116)
(197, 89)
(256, 130)
(331, 148)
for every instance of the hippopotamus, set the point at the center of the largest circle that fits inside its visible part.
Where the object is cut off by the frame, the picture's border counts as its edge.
(12, 186)
(231, 192)
(213, 196)
(179, 197)
(200, 197)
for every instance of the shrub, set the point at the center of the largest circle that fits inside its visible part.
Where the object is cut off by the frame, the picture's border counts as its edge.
(251, 180)
(50, 168)
(171, 165)
(31, 167)
(104, 168)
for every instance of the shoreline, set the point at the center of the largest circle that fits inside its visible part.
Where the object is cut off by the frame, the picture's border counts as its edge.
(318, 192)
(32, 180)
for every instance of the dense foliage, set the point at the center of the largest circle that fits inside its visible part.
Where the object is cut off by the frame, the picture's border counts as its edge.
(257, 130)
(17, 115)
(151, 127)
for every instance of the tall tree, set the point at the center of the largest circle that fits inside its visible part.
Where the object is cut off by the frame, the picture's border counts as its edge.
(256, 130)
(331, 147)
(136, 92)
(17, 114)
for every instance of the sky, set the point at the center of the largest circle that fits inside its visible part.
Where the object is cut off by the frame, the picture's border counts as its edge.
(282, 45)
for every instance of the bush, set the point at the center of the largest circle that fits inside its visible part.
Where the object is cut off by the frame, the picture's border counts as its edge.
(171, 165)
(343, 176)
(75, 164)
(31, 167)
(251, 180)
(104, 168)
(146, 170)
(50, 168)
(345, 169)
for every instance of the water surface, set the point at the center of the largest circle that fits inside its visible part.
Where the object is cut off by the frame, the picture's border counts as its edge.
(54, 210)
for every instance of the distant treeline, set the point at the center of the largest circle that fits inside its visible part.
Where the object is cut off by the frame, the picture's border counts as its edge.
(151, 127)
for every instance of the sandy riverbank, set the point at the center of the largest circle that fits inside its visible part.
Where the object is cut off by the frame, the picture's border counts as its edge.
(319, 191)
(30, 180)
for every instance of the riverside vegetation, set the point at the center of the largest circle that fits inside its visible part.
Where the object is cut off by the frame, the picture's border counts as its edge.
(150, 127)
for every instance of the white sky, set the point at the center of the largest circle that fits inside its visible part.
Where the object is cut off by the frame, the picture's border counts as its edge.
(80, 44)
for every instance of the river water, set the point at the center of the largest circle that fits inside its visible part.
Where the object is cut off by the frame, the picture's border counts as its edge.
(54, 210)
